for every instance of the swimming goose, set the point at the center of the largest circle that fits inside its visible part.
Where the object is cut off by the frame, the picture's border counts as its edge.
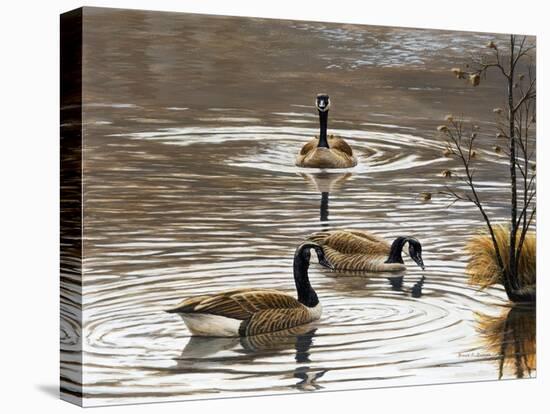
(323, 151)
(361, 250)
(250, 311)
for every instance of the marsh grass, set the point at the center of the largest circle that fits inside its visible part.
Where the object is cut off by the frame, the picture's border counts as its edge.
(482, 267)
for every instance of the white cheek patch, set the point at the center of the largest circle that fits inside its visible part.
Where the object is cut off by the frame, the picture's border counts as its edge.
(322, 105)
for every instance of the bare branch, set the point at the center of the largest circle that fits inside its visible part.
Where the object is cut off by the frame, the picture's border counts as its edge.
(456, 140)
(524, 233)
(529, 94)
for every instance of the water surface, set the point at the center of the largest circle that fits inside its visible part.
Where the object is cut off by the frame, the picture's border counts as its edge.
(191, 125)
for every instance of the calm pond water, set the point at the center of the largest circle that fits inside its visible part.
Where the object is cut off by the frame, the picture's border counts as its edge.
(191, 126)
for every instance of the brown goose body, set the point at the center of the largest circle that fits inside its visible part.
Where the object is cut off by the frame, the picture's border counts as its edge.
(338, 155)
(356, 250)
(247, 312)
(244, 312)
(325, 151)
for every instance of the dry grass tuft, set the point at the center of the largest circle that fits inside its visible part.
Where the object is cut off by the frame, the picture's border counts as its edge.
(482, 265)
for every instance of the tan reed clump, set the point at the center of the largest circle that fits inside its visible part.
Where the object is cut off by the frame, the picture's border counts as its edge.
(482, 266)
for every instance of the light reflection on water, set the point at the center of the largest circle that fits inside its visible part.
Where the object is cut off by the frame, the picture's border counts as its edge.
(184, 199)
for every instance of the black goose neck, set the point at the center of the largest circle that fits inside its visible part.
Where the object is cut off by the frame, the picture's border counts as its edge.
(306, 294)
(324, 206)
(396, 250)
(323, 121)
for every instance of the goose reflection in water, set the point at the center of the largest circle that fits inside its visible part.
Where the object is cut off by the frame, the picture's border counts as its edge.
(358, 283)
(324, 206)
(396, 283)
(325, 183)
(512, 336)
(200, 350)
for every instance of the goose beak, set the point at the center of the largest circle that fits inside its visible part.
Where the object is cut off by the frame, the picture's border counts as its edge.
(420, 263)
(324, 262)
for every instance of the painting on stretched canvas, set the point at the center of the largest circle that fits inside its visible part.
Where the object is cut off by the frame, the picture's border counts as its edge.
(255, 206)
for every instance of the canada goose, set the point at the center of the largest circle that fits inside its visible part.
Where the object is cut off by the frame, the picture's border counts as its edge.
(323, 151)
(483, 269)
(249, 311)
(361, 250)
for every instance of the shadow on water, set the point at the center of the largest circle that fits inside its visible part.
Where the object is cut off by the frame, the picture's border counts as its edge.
(325, 182)
(323, 216)
(416, 290)
(512, 336)
(363, 282)
(396, 283)
(299, 340)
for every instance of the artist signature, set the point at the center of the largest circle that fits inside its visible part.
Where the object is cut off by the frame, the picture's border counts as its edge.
(477, 354)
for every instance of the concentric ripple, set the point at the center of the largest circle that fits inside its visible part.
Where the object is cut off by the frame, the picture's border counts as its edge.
(274, 148)
(202, 209)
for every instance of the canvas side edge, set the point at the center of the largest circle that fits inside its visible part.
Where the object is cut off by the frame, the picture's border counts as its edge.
(71, 372)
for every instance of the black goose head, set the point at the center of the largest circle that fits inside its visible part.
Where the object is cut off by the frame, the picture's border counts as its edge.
(303, 252)
(415, 251)
(322, 102)
(306, 294)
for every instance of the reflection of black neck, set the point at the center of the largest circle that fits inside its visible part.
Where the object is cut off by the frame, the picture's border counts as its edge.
(396, 249)
(306, 294)
(416, 290)
(324, 206)
(323, 118)
(396, 282)
(303, 343)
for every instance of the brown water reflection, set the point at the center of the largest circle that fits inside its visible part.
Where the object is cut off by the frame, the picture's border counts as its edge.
(191, 126)
(512, 337)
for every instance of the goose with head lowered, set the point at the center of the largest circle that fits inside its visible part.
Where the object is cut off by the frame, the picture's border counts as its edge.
(325, 151)
(247, 312)
(364, 251)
